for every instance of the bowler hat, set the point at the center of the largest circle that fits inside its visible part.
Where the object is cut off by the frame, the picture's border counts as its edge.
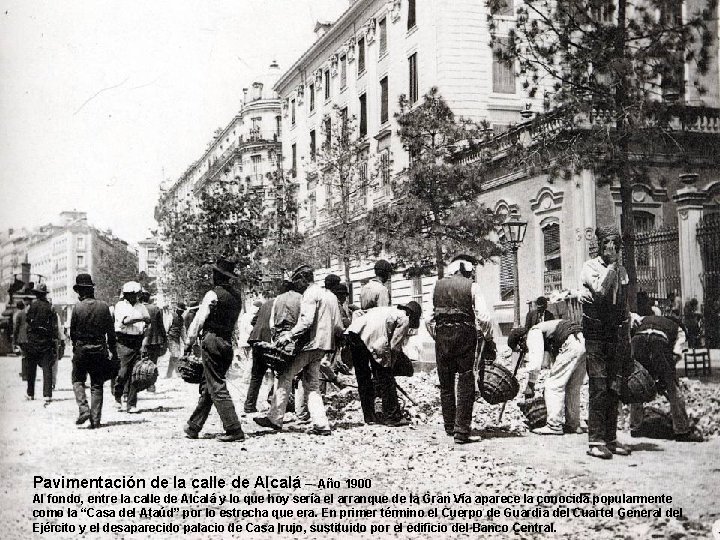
(225, 267)
(541, 301)
(332, 281)
(40, 290)
(340, 288)
(83, 280)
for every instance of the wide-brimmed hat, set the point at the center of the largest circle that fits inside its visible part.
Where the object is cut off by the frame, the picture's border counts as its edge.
(40, 290)
(83, 280)
(304, 270)
(225, 267)
(413, 309)
(131, 287)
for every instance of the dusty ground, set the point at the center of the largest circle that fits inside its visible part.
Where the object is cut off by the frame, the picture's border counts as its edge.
(35, 440)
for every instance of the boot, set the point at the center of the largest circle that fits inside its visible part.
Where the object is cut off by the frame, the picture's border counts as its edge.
(96, 403)
(81, 400)
(465, 402)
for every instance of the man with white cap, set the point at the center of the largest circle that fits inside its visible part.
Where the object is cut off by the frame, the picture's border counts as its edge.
(461, 322)
(131, 318)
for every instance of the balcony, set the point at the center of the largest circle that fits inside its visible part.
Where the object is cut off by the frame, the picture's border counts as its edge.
(255, 136)
(225, 161)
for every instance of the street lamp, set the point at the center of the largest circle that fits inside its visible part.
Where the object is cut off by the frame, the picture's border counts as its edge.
(514, 230)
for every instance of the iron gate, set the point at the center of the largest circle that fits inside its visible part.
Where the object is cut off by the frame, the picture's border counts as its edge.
(657, 260)
(708, 236)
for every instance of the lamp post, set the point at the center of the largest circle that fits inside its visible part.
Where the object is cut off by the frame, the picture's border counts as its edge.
(514, 230)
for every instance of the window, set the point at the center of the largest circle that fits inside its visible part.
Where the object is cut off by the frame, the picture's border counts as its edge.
(507, 279)
(343, 122)
(385, 167)
(361, 56)
(328, 194)
(327, 84)
(278, 126)
(256, 160)
(328, 132)
(292, 112)
(81, 243)
(383, 100)
(382, 28)
(363, 159)
(503, 72)
(506, 10)
(312, 97)
(363, 115)
(411, 14)
(312, 145)
(643, 221)
(552, 271)
(294, 160)
(81, 261)
(343, 71)
(413, 78)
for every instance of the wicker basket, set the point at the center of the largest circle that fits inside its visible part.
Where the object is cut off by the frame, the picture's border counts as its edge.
(144, 374)
(640, 386)
(498, 384)
(534, 411)
(190, 369)
(277, 359)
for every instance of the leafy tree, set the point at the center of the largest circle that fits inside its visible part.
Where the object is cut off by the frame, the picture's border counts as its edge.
(283, 248)
(434, 213)
(610, 77)
(225, 222)
(114, 267)
(342, 167)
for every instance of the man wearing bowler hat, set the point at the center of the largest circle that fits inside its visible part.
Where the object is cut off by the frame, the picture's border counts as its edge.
(42, 330)
(215, 320)
(92, 332)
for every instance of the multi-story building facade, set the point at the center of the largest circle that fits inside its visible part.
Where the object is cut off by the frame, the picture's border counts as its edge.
(379, 49)
(245, 150)
(71, 247)
(13, 248)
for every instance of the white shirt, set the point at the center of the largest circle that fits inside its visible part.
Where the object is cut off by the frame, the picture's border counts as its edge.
(124, 311)
(208, 301)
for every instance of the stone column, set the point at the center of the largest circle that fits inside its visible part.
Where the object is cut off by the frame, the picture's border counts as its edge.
(690, 202)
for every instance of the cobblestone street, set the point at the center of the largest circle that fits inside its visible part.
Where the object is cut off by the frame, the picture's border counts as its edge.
(38, 440)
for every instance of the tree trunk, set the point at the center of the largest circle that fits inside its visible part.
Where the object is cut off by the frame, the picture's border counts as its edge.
(346, 264)
(439, 258)
(627, 222)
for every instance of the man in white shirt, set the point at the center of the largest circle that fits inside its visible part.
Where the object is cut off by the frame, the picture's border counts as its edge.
(131, 319)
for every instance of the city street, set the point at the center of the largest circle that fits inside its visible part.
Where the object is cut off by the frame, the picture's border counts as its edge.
(38, 440)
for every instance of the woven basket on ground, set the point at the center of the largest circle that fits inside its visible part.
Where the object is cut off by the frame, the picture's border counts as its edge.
(498, 384)
(534, 411)
(640, 386)
(144, 374)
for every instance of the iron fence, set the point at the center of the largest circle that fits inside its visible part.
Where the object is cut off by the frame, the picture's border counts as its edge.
(708, 236)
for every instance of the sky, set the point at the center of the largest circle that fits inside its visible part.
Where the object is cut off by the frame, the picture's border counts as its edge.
(101, 100)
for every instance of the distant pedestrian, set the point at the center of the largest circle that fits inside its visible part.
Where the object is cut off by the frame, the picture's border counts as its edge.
(155, 334)
(539, 314)
(42, 332)
(20, 335)
(131, 318)
(176, 335)
(375, 293)
(215, 321)
(92, 332)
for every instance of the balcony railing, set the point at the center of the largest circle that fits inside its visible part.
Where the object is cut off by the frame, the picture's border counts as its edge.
(552, 281)
(258, 135)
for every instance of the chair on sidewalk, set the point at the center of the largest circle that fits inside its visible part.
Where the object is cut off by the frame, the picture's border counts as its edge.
(697, 359)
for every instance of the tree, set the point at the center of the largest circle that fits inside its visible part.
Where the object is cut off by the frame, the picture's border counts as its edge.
(283, 247)
(225, 222)
(342, 168)
(610, 74)
(115, 266)
(434, 213)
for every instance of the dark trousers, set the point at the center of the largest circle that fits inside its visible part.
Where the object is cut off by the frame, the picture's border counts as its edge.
(365, 368)
(85, 364)
(23, 363)
(128, 356)
(257, 374)
(217, 355)
(45, 358)
(455, 355)
(654, 352)
(604, 371)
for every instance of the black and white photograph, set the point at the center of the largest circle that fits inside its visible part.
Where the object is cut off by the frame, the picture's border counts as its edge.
(321, 269)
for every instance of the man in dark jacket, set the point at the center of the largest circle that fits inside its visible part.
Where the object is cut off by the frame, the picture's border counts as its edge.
(606, 330)
(155, 343)
(20, 335)
(216, 320)
(539, 314)
(92, 332)
(42, 331)
(261, 331)
(176, 336)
